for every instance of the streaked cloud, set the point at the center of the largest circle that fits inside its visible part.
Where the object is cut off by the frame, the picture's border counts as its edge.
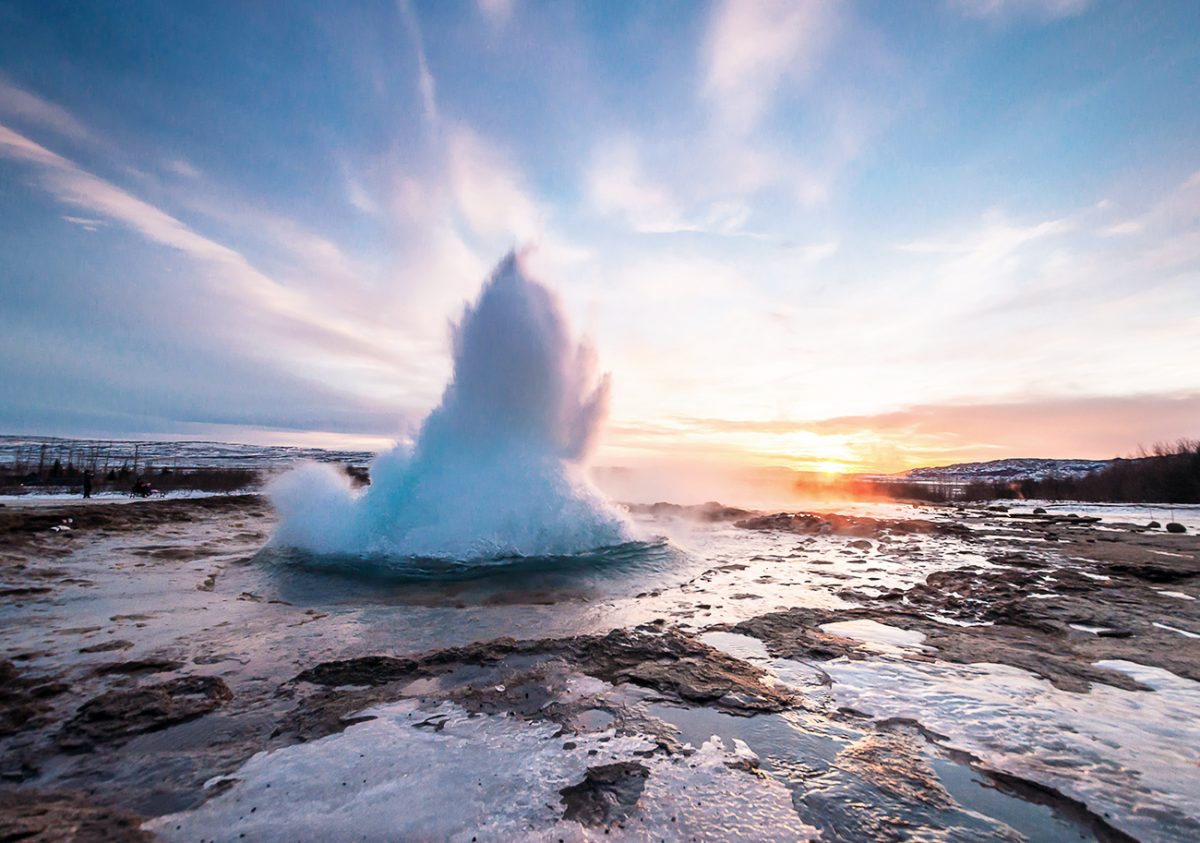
(80, 189)
(426, 85)
(487, 190)
(181, 168)
(1096, 427)
(498, 12)
(753, 48)
(17, 103)
(1030, 9)
(617, 184)
(86, 223)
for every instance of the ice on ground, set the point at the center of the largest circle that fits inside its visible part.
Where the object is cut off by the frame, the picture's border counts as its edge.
(739, 646)
(445, 774)
(877, 636)
(1130, 756)
(1182, 632)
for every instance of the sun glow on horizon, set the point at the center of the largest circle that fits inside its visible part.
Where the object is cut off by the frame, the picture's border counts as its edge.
(830, 467)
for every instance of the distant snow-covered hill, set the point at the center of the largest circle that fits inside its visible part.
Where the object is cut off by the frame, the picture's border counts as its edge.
(1007, 470)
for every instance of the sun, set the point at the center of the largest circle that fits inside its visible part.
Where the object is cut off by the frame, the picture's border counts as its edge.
(830, 467)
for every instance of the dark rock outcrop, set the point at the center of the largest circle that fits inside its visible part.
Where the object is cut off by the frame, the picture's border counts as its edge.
(115, 716)
(607, 794)
(24, 700)
(49, 817)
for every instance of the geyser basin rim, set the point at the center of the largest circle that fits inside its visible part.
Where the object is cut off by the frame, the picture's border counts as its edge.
(406, 568)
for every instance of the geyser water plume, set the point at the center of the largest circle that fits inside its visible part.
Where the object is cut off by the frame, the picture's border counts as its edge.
(497, 469)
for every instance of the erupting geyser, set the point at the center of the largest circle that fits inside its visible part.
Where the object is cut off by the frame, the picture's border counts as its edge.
(497, 468)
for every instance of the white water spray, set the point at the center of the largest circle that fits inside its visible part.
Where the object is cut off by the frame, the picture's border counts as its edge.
(497, 468)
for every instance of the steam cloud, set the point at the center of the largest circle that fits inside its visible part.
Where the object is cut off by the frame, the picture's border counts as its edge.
(497, 468)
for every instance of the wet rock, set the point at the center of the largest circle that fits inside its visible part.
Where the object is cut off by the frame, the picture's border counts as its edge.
(883, 787)
(674, 665)
(24, 590)
(666, 661)
(42, 817)
(138, 666)
(805, 523)
(709, 512)
(1032, 634)
(1072, 809)
(608, 793)
(795, 634)
(1176, 527)
(20, 525)
(368, 670)
(1018, 560)
(107, 646)
(1155, 572)
(24, 699)
(116, 716)
(677, 665)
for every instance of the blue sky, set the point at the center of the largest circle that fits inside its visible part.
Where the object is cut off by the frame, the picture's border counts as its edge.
(816, 234)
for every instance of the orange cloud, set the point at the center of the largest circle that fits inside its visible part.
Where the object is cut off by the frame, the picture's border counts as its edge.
(931, 434)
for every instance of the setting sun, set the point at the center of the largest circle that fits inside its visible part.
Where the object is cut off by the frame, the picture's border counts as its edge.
(828, 467)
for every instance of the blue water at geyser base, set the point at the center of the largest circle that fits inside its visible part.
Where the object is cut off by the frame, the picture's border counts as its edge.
(496, 471)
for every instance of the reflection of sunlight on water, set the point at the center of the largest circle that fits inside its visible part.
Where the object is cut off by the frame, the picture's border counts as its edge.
(819, 761)
(1122, 753)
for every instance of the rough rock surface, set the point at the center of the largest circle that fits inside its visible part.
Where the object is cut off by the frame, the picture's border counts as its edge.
(24, 699)
(808, 524)
(64, 817)
(607, 794)
(1053, 621)
(675, 665)
(118, 715)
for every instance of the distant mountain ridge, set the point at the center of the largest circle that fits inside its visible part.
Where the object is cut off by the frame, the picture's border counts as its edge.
(1007, 470)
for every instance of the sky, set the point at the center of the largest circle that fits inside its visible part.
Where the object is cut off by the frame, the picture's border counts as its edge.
(818, 235)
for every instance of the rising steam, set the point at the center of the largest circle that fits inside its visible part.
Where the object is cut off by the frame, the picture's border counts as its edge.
(497, 468)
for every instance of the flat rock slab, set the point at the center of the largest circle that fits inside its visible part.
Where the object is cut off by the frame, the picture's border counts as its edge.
(116, 716)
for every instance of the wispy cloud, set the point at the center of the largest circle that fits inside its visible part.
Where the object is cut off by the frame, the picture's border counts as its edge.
(487, 190)
(180, 167)
(991, 241)
(816, 252)
(426, 85)
(22, 105)
(76, 187)
(498, 12)
(86, 223)
(754, 47)
(618, 183)
(1003, 10)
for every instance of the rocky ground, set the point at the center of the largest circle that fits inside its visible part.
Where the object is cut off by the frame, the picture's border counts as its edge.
(151, 651)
